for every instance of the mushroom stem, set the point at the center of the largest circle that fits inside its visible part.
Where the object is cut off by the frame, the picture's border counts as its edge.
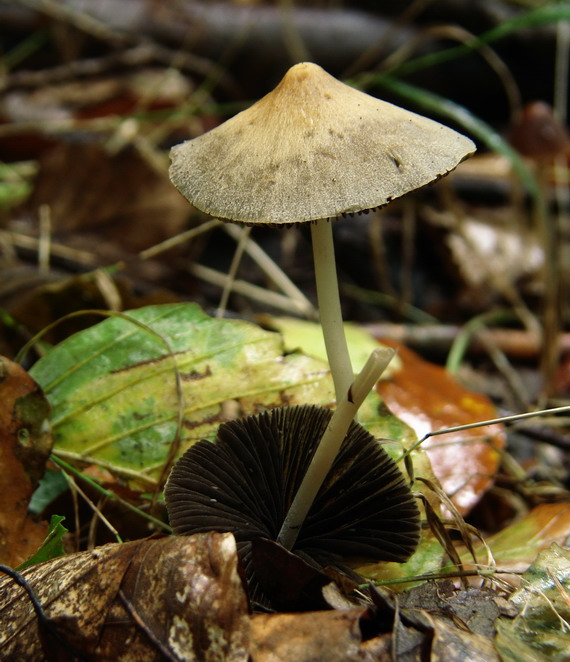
(329, 307)
(330, 443)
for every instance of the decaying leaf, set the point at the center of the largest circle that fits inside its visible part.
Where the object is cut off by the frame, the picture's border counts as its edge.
(25, 444)
(118, 196)
(455, 644)
(114, 391)
(541, 630)
(516, 545)
(428, 558)
(308, 337)
(427, 398)
(156, 599)
(436, 621)
(490, 254)
(334, 636)
(432, 628)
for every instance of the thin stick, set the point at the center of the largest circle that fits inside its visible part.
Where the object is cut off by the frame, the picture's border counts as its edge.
(491, 421)
(179, 238)
(44, 238)
(329, 307)
(68, 469)
(330, 443)
(234, 266)
(502, 419)
(272, 270)
(254, 292)
(96, 510)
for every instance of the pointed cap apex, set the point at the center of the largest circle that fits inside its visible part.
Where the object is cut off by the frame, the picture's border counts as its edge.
(313, 148)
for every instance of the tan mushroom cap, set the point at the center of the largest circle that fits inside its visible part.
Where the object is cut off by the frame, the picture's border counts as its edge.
(313, 148)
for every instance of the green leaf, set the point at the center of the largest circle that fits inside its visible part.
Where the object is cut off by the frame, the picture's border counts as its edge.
(133, 392)
(136, 390)
(52, 546)
(308, 338)
(426, 559)
(52, 485)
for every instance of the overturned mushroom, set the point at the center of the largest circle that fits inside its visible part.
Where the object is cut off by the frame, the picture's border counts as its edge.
(246, 480)
(311, 150)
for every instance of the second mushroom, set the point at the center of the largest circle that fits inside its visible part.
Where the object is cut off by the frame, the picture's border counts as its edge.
(312, 150)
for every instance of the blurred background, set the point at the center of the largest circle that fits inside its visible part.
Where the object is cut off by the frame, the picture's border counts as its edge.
(95, 92)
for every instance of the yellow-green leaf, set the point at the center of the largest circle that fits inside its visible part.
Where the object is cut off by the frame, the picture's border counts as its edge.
(114, 395)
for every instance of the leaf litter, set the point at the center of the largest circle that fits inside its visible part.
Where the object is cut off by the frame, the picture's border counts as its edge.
(129, 348)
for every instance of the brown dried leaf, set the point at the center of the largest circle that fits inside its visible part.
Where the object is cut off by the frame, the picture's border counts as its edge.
(436, 621)
(25, 444)
(334, 636)
(121, 197)
(450, 643)
(167, 598)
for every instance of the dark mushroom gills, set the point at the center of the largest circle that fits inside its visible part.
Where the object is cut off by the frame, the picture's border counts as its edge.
(245, 481)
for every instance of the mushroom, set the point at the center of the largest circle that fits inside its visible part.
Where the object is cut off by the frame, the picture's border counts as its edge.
(311, 150)
(245, 482)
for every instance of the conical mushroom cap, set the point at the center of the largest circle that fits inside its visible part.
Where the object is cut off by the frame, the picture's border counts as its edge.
(313, 148)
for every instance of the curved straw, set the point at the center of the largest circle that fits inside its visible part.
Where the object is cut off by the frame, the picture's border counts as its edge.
(331, 442)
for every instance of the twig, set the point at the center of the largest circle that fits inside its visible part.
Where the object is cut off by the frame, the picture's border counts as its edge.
(81, 20)
(24, 241)
(232, 271)
(272, 270)
(254, 292)
(171, 242)
(137, 56)
(439, 337)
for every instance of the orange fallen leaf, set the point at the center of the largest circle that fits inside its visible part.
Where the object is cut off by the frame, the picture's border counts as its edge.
(427, 398)
(25, 445)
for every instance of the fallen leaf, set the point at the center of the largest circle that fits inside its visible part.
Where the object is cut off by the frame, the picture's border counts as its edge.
(308, 337)
(120, 196)
(427, 398)
(541, 630)
(334, 636)
(455, 644)
(114, 387)
(25, 444)
(155, 599)
(516, 545)
(436, 621)
(427, 558)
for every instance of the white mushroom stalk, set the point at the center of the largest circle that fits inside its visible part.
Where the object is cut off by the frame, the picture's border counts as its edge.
(330, 443)
(329, 307)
